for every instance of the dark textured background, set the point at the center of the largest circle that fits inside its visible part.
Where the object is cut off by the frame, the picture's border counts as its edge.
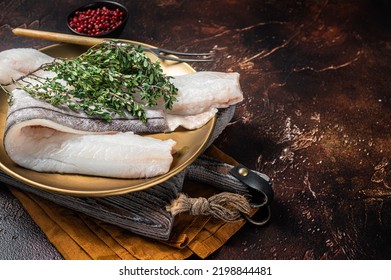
(316, 115)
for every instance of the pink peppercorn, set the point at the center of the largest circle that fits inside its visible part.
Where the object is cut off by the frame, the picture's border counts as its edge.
(96, 21)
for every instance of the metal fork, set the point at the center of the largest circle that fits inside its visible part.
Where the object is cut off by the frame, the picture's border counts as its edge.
(168, 55)
(90, 41)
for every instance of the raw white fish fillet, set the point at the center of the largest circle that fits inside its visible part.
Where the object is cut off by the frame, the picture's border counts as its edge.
(199, 92)
(40, 138)
(24, 107)
(16, 63)
(120, 155)
(200, 95)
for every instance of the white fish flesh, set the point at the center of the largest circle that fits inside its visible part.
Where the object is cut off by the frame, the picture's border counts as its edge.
(199, 92)
(189, 122)
(35, 145)
(16, 63)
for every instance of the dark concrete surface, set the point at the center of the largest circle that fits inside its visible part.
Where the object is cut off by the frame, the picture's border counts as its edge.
(20, 238)
(316, 115)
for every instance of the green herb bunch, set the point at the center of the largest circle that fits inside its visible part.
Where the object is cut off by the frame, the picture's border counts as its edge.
(110, 78)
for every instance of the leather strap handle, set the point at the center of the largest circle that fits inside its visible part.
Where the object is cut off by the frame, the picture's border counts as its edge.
(260, 185)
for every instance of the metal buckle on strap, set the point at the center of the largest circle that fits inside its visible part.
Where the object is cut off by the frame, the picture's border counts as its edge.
(260, 190)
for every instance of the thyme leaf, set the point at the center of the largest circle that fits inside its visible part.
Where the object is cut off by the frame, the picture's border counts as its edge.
(110, 78)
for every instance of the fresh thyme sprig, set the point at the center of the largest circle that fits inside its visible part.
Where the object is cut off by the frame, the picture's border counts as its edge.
(110, 78)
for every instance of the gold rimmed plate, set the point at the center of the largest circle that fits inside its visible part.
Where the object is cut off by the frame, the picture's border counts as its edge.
(190, 143)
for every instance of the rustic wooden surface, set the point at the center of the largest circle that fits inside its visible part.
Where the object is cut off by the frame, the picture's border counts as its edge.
(316, 115)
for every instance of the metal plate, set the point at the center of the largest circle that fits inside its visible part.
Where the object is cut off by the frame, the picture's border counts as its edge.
(189, 145)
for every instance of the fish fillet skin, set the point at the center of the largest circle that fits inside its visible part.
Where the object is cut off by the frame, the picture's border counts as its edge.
(24, 108)
(119, 155)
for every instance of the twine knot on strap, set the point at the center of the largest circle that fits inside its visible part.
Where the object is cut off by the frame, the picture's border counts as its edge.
(228, 207)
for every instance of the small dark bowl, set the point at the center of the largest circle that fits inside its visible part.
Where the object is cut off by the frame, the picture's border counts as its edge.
(110, 5)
